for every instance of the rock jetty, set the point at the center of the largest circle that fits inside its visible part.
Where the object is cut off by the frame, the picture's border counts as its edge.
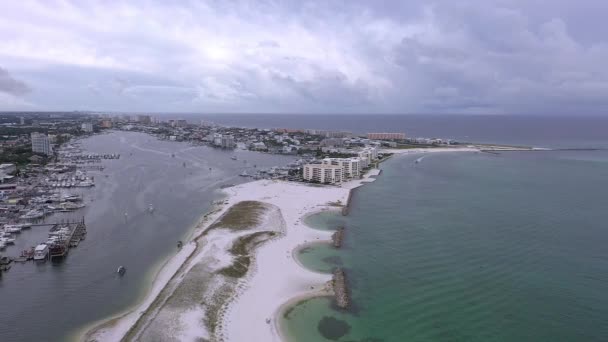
(337, 237)
(340, 290)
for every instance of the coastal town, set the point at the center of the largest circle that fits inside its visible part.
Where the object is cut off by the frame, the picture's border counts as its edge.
(42, 162)
(31, 140)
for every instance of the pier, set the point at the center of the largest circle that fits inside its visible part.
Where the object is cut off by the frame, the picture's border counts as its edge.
(61, 248)
(337, 237)
(340, 289)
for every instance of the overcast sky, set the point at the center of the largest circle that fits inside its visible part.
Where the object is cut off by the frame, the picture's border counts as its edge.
(416, 56)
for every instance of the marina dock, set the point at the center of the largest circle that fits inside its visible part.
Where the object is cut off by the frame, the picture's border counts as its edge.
(77, 232)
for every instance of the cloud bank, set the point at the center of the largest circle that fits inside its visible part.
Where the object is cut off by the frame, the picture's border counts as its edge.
(482, 56)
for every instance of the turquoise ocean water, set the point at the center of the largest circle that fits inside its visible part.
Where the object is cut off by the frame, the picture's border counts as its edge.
(469, 247)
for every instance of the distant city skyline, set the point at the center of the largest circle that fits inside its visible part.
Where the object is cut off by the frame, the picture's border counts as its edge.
(467, 57)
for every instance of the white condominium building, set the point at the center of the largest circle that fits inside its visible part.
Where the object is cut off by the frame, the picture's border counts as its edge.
(373, 151)
(41, 144)
(327, 174)
(351, 167)
(367, 155)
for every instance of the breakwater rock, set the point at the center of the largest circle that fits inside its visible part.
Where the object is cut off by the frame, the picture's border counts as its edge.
(340, 289)
(337, 237)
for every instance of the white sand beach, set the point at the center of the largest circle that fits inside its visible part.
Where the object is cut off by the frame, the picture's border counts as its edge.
(278, 278)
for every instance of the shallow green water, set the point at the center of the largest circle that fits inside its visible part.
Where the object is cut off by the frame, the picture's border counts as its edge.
(472, 247)
(325, 220)
(321, 257)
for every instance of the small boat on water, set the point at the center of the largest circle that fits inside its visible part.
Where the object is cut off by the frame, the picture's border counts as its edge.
(150, 208)
(233, 158)
(121, 270)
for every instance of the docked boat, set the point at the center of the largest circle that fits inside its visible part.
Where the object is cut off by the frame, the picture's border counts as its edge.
(71, 198)
(244, 174)
(13, 229)
(86, 184)
(32, 215)
(69, 206)
(41, 252)
(7, 240)
(24, 225)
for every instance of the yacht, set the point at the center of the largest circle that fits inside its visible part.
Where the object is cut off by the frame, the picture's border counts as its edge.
(71, 198)
(69, 206)
(7, 240)
(32, 214)
(41, 252)
(12, 229)
(86, 183)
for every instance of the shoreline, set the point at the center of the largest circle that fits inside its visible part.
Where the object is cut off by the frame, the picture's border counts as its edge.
(274, 281)
(122, 323)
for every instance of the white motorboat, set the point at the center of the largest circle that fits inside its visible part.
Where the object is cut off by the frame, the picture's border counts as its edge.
(7, 240)
(32, 214)
(12, 229)
(41, 252)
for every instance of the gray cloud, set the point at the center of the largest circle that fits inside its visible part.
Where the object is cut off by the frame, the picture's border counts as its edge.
(493, 56)
(12, 86)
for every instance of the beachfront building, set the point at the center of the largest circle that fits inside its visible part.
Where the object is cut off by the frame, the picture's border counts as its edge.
(86, 127)
(323, 173)
(367, 156)
(41, 144)
(386, 136)
(227, 141)
(351, 167)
